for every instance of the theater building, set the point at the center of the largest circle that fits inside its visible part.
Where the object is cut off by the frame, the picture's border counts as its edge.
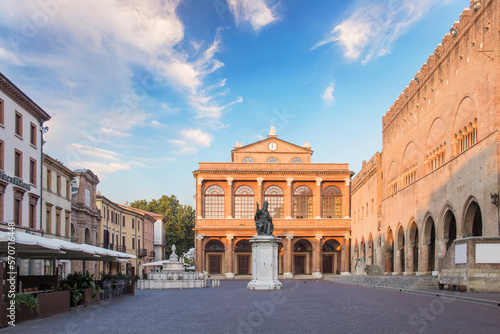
(309, 203)
(439, 168)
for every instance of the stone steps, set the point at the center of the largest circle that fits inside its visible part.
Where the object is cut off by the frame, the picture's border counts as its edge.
(397, 282)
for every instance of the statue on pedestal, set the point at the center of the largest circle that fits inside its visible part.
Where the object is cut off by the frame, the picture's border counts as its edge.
(263, 220)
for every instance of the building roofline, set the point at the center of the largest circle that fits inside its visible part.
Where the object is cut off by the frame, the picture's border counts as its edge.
(24, 100)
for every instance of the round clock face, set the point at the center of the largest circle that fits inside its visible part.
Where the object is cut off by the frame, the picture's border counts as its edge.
(273, 146)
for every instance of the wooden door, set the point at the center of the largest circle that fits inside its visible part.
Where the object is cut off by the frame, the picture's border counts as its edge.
(214, 264)
(327, 264)
(243, 264)
(300, 264)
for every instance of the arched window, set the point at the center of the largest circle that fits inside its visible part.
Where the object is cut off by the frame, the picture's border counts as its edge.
(244, 203)
(243, 246)
(296, 161)
(272, 160)
(87, 236)
(214, 246)
(248, 159)
(274, 195)
(214, 202)
(331, 245)
(302, 202)
(331, 202)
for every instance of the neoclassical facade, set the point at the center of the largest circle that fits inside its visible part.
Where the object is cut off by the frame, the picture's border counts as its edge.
(435, 207)
(309, 203)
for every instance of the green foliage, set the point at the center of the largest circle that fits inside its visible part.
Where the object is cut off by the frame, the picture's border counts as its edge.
(75, 295)
(30, 301)
(78, 282)
(180, 221)
(117, 277)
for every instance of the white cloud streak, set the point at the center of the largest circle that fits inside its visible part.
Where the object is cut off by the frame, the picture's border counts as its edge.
(255, 12)
(372, 29)
(327, 95)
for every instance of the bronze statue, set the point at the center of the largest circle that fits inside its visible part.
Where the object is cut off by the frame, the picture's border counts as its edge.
(263, 220)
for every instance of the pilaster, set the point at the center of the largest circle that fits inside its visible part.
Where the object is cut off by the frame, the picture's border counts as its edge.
(317, 258)
(317, 199)
(287, 256)
(199, 197)
(229, 198)
(229, 256)
(288, 198)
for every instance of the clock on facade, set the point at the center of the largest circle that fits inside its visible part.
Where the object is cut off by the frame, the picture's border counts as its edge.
(273, 146)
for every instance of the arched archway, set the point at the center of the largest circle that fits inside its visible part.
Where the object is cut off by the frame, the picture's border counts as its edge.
(302, 260)
(331, 257)
(473, 220)
(369, 257)
(73, 233)
(449, 228)
(214, 256)
(243, 254)
(428, 258)
(389, 252)
(87, 236)
(362, 249)
(400, 251)
(413, 248)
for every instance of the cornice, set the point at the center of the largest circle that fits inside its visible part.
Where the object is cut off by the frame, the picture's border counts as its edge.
(22, 99)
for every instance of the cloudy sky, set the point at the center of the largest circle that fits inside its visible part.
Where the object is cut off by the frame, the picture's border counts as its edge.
(141, 91)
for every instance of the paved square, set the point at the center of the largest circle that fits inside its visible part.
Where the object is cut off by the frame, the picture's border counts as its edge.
(301, 307)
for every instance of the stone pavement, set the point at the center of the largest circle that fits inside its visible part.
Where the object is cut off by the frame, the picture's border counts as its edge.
(301, 307)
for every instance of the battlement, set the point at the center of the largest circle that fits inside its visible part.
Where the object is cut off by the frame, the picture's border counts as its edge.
(367, 170)
(441, 52)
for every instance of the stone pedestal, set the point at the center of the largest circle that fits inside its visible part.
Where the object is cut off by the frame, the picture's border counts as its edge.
(264, 263)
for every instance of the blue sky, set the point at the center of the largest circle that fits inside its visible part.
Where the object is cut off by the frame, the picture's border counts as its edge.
(140, 92)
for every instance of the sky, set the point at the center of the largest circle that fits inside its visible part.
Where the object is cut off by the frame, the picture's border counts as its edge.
(140, 92)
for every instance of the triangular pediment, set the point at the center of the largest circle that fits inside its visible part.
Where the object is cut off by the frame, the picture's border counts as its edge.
(263, 146)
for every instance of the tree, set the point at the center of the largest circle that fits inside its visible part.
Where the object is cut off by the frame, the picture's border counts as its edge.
(180, 221)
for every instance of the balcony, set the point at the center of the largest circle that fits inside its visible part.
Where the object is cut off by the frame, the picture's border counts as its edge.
(142, 252)
(122, 249)
(152, 254)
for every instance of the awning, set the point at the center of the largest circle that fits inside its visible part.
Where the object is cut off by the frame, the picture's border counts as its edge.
(155, 264)
(32, 246)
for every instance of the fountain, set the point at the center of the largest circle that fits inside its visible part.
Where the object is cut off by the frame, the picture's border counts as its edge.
(172, 276)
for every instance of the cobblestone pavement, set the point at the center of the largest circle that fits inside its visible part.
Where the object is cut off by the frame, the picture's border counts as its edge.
(302, 307)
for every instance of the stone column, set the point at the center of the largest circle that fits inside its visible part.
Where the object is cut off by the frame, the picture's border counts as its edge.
(441, 252)
(410, 253)
(229, 198)
(258, 193)
(397, 259)
(287, 199)
(317, 199)
(287, 257)
(199, 253)
(346, 198)
(423, 260)
(229, 256)
(344, 256)
(317, 258)
(199, 197)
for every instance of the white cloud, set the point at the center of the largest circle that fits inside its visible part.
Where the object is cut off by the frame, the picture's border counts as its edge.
(255, 12)
(100, 168)
(198, 136)
(90, 151)
(9, 57)
(186, 150)
(155, 124)
(371, 30)
(327, 95)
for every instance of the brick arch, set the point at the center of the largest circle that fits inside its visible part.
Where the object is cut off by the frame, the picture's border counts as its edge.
(466, 111)
(472, 224)
(410, 156)
(436, 134)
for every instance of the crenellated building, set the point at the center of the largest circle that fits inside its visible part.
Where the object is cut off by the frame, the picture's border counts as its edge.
(309, 203)
(440, 163)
